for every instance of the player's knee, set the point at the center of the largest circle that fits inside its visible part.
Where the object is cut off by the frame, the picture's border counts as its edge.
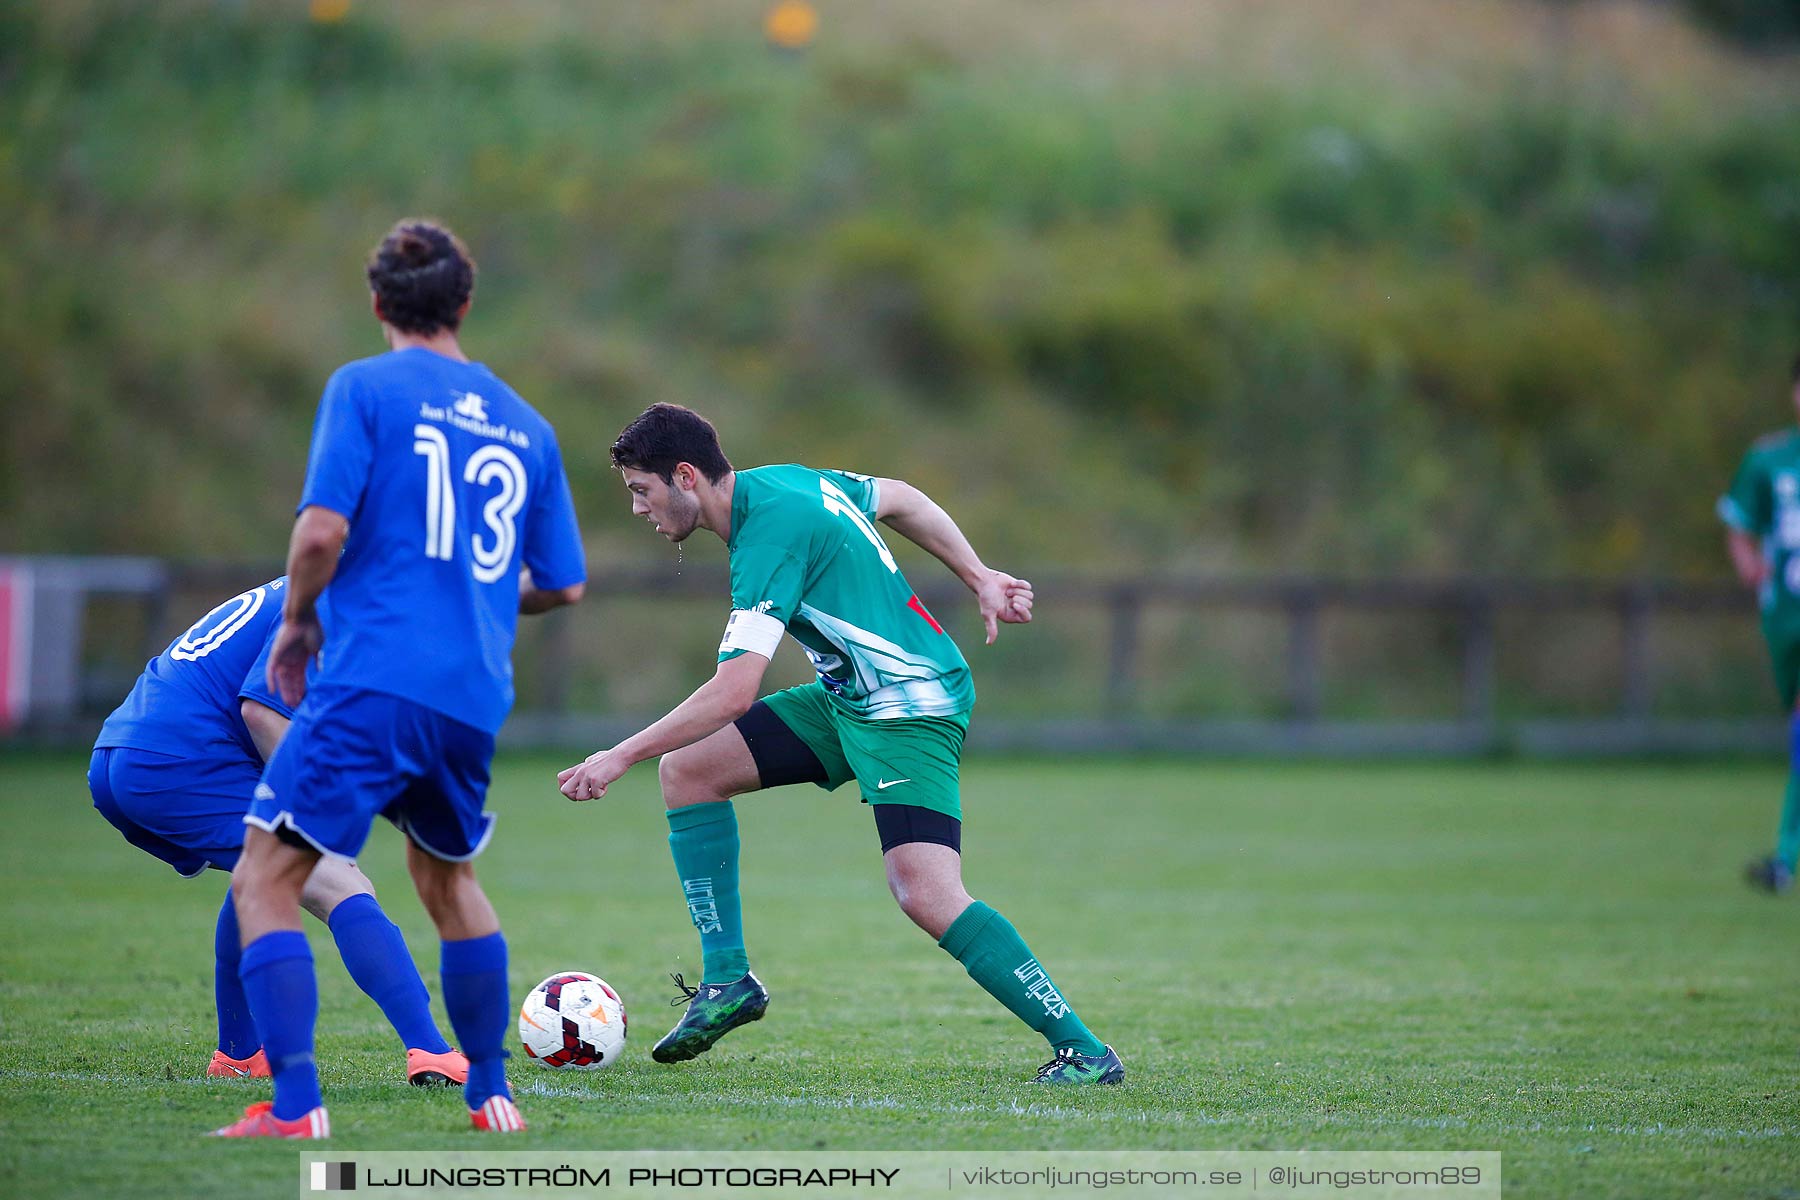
(901, 892)
(684, 781)
(936, 909)
(920, 896)
(921, 914)
(257, 877)
(668, 772)
(929, 909)
(332, 884)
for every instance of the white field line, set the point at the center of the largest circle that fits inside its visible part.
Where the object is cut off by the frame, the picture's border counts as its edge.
(1198, 1120)
(1014, 1108)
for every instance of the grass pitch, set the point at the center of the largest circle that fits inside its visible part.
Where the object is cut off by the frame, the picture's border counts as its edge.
(1554, 962)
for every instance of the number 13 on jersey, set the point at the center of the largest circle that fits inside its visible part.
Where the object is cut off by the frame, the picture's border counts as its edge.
(490, 465)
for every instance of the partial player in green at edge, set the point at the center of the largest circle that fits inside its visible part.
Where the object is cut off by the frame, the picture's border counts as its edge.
(889, 709)
(1761, 512)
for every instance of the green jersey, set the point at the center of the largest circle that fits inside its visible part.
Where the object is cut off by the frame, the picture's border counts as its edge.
(806, 558)
(1764, 501)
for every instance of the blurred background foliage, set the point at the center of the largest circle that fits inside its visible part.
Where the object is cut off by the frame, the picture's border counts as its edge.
(1399, 286)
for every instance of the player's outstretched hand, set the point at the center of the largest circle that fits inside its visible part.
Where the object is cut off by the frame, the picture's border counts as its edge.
(589, 779)
(296, 644)
(1003, 597)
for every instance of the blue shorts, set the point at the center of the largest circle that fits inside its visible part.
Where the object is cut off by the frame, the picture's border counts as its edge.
(352, 755)
(189, 812)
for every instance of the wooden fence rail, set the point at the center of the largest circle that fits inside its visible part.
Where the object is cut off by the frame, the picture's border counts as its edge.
(1473, 607)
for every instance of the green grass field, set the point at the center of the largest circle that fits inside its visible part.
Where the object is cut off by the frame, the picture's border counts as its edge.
(1554, 962)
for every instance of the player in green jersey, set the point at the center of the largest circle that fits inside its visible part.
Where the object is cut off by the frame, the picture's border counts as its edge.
(889, 709)
(1761, 511)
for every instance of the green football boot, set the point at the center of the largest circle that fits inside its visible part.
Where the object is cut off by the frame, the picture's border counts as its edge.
(1069, 1067)
(713, 1010)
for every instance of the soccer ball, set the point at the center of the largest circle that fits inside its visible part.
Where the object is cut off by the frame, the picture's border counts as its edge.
(573, 1019)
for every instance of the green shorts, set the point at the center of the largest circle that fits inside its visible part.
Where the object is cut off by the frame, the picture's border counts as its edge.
(911, 760)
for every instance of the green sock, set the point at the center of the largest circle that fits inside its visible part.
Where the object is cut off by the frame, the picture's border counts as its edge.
(1787, 841)
(703, 838)
(997, 958)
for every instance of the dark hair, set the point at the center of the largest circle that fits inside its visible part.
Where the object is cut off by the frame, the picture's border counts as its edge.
(423, 275)
(1794, 375)
(665, 435)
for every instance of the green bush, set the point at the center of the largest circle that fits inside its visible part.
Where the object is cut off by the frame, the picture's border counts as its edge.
(1157, 318)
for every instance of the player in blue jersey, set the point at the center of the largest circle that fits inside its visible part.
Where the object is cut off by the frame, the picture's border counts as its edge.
(173, 770)
(430, 485)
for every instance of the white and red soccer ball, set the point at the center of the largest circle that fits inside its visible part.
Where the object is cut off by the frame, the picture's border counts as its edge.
(573, 1020)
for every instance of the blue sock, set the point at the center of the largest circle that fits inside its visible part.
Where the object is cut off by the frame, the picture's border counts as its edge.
(475, 996)
(1787, 837)
(277, 970)
(237, 1030)
(703, 840)
(376, 956)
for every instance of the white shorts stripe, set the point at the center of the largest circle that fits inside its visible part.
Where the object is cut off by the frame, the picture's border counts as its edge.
(286, 818)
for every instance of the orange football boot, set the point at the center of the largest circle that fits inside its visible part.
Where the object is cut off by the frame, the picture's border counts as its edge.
(498, 1115)
(260, 1121)
(223, 1066)
(424, 1069)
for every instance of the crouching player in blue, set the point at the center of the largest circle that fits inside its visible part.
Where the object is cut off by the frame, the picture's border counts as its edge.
(174, 769)
(436, 484)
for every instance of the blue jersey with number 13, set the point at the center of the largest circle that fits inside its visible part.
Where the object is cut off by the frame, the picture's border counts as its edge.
(450, 481)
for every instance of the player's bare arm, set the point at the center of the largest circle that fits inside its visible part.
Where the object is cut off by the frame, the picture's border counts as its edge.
(921, 520)
(266, 726)
(534, 599)
(1746, 557)
(715, 704)
(313, 550)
